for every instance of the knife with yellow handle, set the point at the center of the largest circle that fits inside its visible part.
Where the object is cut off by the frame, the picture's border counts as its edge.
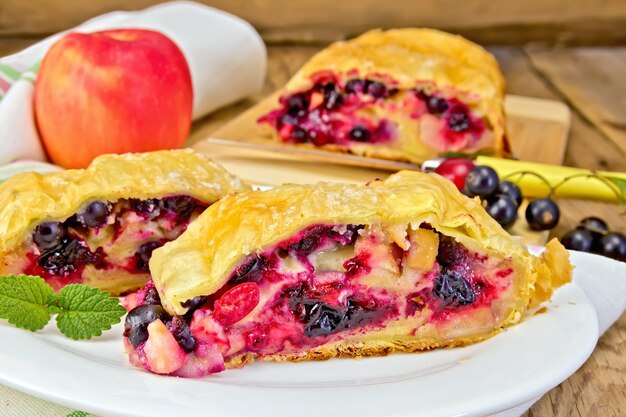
(538, 179)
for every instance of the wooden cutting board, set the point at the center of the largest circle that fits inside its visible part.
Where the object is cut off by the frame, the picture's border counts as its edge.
(537, 129)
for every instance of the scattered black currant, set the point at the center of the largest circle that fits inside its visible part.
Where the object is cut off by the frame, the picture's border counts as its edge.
(597, 228)
(614, 246)
(512, 190)
(592, 234)
(503, 209)
(594, 224)
(578, 239)
(542, 214)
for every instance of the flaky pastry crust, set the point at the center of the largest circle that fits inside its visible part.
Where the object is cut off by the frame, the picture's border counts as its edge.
(31, 198)
(200, 261)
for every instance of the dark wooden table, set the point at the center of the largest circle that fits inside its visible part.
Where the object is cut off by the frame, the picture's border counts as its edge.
(592, 82)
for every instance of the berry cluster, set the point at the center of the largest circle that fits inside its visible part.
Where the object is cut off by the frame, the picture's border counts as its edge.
(501, 199)
(592, 235)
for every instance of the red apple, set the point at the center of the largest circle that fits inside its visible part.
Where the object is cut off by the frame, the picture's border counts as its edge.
(114, 91)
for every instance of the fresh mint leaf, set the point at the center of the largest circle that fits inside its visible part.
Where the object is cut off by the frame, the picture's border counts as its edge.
(24, 301)
(86, 312)
(82, 312)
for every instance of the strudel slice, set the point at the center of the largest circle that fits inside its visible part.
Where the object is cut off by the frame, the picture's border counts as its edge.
(313, 272)
(99, 226)
(402, 94)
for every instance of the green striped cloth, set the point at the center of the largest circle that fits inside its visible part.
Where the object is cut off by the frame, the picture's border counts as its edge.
(9, 75)
(17, 404)
(6, 171)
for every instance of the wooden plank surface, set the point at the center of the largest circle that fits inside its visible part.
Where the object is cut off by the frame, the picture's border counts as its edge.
(592, 80)
(587, 146)
(598, 389)
(579, 21)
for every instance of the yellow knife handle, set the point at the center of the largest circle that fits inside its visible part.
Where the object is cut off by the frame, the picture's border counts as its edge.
(569, 182)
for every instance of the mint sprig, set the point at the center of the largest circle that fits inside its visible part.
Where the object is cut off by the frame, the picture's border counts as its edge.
(82, 312)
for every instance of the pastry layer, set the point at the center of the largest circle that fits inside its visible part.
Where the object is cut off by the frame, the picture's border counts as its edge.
(409, 94)
(100, 225)
(250, 222)
(30, 198)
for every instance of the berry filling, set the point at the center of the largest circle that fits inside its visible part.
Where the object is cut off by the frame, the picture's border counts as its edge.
(106, 244)
(327, 284)
(344, 112)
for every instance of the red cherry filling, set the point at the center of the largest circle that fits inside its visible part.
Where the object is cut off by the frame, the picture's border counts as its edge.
(100, 236)
(358, 265)
(236, 303)
(327, 283)
(329, 113)
(341, 113)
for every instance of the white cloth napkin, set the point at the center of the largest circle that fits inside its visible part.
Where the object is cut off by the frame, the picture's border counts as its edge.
(226, 57)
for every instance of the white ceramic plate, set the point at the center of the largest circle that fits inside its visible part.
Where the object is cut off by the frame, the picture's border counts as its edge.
(516, 366)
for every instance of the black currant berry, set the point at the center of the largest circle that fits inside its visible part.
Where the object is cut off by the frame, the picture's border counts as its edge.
(614, 246)
(297, 104)
(453, 290)
(182, 205)
(542, 214)
(578, 239)
(502, 209)
(138, 319)
(48, 235)
(512, 190)
(95, 214)
(360, 134)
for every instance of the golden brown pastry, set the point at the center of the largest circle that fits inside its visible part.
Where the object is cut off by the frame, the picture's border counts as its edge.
(401, 94)
(99, 226)
(317, 271)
